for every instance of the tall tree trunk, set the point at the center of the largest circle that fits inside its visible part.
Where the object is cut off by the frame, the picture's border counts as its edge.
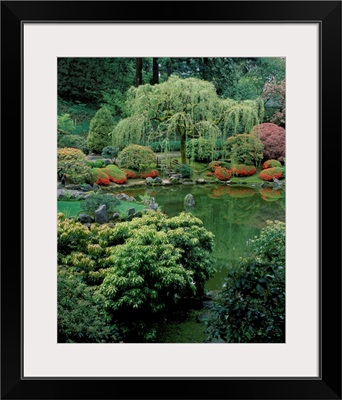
(182, 147)
(155, 76)
(138, 72)
(169, 67)
(206, 68)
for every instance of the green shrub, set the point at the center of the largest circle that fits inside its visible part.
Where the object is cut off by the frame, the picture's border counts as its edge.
(137, 157)
(101, 126)
(140, 269)
(115, 174)
(65, 125)
(73, 163)
(271, 164)
(270, 173)
(96, 164)
(200, 149)
(245, 149)
(251, 307)
(81, 315)
(184, 170)
(110, 152)
(94, 201)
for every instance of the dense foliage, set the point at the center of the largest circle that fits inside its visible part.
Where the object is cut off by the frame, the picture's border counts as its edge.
(115, 174)
(271, 164)
(100, 128)
(245, 149)
(137, 270)
(223, 174)
(137, 157)
(73, 141)
(95, 200)
(270, 173)
(73, 163)
(183, 109)
(251, 308)
(273, 139)
(243, 170)
(200, 149)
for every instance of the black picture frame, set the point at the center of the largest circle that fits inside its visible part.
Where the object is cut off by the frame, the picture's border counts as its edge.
(328, 385)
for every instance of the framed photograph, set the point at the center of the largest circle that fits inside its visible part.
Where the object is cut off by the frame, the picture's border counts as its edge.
(221, 116)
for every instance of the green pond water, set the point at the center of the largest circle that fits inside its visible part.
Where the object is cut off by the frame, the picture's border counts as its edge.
(234, 214)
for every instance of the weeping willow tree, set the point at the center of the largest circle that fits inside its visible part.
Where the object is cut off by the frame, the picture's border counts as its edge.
(181, 109)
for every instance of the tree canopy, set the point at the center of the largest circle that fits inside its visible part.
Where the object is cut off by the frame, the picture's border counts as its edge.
(183, 108)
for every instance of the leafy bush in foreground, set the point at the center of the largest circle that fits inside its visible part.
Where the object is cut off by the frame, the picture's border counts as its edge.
(251, 307)
(73, 163)
(140, 268)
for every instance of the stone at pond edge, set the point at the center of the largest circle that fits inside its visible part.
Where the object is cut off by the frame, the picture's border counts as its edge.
(115, 216)
(131, 211)
(201, 181)
(101, 215)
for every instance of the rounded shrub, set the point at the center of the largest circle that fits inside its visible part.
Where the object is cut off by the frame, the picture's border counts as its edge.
(95, 200)
(115, 174)
(110, 152)
(271, 164)
(137, 157)
(223, 174)
(99, 176)
(245, 149)
(243, 170)
(73, 163)
(273, 139)
(96, 164)
(184, 170)
(270, 173)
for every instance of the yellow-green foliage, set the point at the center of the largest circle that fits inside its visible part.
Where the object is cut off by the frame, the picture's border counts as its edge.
(73, 163)
(139, 267)
(245, 149)
(137, 157)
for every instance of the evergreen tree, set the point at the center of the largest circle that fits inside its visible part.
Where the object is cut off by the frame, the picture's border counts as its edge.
(101, 126)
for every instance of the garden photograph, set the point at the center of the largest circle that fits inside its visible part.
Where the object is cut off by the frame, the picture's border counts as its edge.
(171, 183)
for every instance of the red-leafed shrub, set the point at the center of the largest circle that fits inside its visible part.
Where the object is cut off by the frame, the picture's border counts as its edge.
(209, 173)
(103, 181)
(223, 174)
(243, 170)
(130, 174)
(115, 174)
(273, 139)
(99, 176)
(271, 164)
(270, 173)
(149, 174)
